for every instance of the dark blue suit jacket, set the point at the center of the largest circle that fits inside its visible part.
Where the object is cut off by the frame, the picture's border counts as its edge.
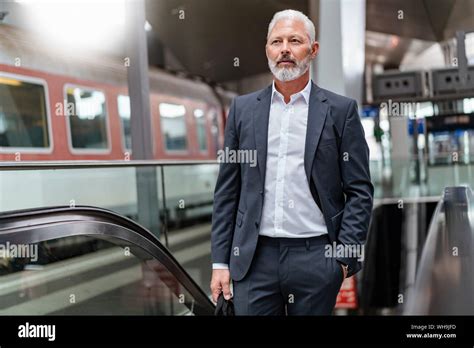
(336, 162)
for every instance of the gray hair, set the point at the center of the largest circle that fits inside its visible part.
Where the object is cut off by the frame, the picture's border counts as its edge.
(294, 15)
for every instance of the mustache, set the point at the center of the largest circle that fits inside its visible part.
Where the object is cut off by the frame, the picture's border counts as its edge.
(286, 59)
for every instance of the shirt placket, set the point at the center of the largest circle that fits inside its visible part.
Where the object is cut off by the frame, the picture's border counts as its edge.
(281, 168)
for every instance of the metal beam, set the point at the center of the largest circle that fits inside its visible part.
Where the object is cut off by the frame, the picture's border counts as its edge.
(138, 81)
(461, 55)
(140, 117)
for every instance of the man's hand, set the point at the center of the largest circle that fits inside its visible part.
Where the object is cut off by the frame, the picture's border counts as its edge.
(220, 282)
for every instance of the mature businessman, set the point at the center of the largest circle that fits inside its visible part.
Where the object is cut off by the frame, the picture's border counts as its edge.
(286, 229)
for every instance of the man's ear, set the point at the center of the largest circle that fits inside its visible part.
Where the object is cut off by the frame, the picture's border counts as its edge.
(314, 49)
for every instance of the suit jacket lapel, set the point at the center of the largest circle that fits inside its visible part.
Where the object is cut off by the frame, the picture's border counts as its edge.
(317, 112)
(261, 114)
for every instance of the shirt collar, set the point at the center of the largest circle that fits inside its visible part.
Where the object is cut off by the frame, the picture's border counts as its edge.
(305, 92)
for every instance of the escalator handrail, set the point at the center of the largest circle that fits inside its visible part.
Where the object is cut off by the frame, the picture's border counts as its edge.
(14, 224)
(453, 200)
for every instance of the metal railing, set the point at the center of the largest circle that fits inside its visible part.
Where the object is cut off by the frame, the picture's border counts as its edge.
(445, 274)
(171, 199)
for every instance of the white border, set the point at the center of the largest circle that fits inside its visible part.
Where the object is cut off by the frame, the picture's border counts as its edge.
(87, 151)
(32, 150)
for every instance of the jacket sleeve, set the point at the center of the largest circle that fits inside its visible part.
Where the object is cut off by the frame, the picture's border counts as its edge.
(357, 187)
(226, 195)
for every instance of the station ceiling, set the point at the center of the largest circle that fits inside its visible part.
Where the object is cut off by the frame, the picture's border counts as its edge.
(214, 33)
(432, 20)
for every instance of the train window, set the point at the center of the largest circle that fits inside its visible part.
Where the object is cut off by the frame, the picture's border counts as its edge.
(124, 112)
(201, 129)
(87, 118)
(215, 129)
(23, 114)
(173, 126)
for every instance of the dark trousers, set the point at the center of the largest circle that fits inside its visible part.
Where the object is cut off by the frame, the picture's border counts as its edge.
(289, 276)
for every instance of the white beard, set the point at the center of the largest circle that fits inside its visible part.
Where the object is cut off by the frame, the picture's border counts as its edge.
(289, 74)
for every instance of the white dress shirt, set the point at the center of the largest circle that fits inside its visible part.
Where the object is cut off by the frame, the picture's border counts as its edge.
(289, 209)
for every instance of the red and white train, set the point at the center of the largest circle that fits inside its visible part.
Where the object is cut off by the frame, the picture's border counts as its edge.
(57, 105)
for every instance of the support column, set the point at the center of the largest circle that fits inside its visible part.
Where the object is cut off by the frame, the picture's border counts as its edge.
(138, 81)
(140, 118)
(340, 30)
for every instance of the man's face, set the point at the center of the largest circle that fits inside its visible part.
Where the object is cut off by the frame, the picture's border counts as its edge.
(288, 49)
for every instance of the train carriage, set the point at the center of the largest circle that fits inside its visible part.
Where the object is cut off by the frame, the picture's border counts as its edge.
(61, 104)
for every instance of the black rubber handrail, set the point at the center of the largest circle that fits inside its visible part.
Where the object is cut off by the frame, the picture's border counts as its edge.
(47, 165)
(42, 224)
(444, 282)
